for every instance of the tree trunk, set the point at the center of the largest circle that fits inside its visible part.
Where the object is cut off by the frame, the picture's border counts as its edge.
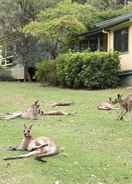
(25, 72)
(124, 2)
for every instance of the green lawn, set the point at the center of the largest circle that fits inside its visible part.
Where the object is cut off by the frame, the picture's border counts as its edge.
(97, 147)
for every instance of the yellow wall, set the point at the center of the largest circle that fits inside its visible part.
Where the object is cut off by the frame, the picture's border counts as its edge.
(125, 58)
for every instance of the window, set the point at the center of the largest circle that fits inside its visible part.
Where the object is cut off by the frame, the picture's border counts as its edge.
(6, 61)
(93, 43)
(121, 40)
(98, 42)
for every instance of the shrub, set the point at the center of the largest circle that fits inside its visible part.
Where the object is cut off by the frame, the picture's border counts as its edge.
(46, 72)
(88, 69)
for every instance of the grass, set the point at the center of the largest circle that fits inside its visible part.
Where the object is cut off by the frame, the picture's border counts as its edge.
(97, 147)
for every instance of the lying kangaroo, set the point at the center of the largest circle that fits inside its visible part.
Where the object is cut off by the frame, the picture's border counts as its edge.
(125, 105)
(62, 104)
(32, 112)
(105, 105)
(39, 147)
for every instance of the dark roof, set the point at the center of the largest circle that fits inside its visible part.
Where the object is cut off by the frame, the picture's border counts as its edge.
(114, 21)
(90, 33)
(108, 23)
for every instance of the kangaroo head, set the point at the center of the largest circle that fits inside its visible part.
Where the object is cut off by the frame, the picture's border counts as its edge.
(117, 99)
(36, 108)
(27, 131)
(35, 104)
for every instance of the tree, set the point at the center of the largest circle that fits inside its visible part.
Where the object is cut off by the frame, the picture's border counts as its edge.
(107, 4)
(59, 26)
(79, 1)
(14, 15)
(124, 2)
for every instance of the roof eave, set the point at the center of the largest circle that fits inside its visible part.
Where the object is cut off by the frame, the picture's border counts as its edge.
(102, 29)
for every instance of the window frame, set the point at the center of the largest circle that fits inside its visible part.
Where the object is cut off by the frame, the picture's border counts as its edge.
(120, 50)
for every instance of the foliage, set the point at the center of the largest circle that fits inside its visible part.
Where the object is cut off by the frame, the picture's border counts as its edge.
(83, 12)
(14, 14)
(91, 70)
(80, 1)
(59, 25)
(56, 24)
(46, 72)
(107, 4)
(110, 13)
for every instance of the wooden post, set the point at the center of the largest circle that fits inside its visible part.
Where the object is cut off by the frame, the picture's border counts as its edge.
(98, 43)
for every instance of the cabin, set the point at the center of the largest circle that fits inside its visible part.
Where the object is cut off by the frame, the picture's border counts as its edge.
(10, 69)
(12, 65)
(112, 35)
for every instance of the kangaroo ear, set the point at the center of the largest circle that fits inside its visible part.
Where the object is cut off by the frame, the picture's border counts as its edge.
(25, 126)
(30, 127)
(36, 102)
(119, 96)
(110, 99)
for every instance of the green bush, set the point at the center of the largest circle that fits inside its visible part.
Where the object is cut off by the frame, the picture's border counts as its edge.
(87, 69)
(46, 72)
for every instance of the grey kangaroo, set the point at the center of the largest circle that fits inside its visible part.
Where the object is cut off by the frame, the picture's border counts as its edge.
(125, 105)
(107, 105)
(31, 112)
(39, 147)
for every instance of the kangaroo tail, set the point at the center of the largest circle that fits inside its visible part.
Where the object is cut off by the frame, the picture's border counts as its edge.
(15, 157)
(11, 115)
(56, 113)
(35, 152)
(21, 156)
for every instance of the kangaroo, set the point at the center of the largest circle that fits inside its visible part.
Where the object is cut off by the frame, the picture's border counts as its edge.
(56, 113)
(30, 113)
(105, 105)
(62, 104)
(125, 105)
(33, 111)
(39, 147)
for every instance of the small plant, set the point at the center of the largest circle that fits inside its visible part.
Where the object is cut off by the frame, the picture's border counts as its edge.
(46, 72)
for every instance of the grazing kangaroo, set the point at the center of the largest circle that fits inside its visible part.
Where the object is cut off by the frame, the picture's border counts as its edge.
(125, 105)
(39, 147)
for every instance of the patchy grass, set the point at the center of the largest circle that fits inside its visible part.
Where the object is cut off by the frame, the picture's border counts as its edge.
(97, 147)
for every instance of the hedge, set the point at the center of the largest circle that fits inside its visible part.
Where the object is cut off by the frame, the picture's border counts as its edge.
(94, 70)
(46, 72)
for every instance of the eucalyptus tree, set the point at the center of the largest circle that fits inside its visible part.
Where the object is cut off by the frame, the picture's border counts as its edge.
(59, 26)
(107, 4)
(79, 1)
(14, 15)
